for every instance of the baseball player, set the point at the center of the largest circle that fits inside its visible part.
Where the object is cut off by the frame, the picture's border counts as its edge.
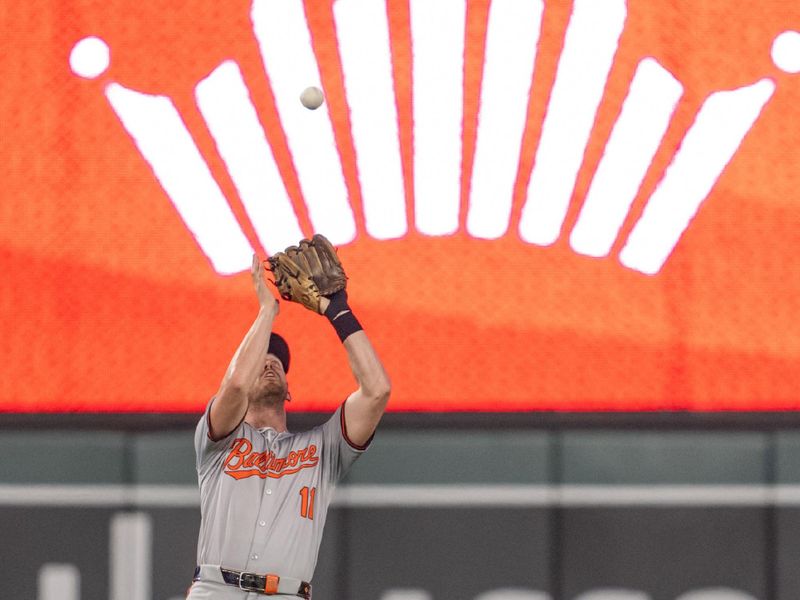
(264, 490)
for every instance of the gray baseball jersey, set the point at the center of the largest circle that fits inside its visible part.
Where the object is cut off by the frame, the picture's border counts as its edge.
(264, 496)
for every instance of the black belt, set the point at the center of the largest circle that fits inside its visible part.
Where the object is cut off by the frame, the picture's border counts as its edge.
(262, 584)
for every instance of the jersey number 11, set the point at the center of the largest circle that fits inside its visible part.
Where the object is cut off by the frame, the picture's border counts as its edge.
(307, 502)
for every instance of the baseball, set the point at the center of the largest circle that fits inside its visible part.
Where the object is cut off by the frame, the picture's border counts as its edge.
(312, 98)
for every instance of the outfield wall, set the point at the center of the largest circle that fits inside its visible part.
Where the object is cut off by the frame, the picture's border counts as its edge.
(429, 514)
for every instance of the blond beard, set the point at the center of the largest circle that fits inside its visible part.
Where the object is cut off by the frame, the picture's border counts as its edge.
(272, 394)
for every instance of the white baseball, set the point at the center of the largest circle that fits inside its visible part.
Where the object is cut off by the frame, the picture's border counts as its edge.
(312, 97)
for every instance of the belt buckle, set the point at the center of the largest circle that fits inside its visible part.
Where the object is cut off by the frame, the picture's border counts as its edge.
(246, 587)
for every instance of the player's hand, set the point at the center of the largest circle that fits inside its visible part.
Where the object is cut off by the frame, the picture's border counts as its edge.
(266, 299)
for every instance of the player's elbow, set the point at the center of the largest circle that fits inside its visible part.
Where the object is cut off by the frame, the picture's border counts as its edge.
(382, 395)
(380, 390)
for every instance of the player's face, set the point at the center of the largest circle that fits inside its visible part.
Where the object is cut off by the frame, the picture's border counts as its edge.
(271, 382)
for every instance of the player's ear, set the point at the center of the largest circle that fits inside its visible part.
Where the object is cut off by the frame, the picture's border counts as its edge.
(288, 396)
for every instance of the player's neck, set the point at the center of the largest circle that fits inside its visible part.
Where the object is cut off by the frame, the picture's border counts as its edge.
(271, 415)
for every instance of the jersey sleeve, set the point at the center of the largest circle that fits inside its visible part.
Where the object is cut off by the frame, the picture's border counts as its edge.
(205, 448)
(340, 452)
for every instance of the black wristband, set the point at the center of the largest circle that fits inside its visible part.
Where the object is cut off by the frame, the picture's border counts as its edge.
(341, 317)
(337, 303)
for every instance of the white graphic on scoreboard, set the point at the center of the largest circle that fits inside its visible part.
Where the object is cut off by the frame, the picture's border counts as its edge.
(438, 49)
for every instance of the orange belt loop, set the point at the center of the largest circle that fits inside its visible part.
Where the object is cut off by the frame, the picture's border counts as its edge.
(271, 586)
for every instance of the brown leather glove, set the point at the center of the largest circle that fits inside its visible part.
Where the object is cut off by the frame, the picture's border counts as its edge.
(307, 272)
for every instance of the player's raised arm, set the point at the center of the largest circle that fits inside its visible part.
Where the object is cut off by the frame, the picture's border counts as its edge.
(312, 275)
(364, 407)
(230, 403)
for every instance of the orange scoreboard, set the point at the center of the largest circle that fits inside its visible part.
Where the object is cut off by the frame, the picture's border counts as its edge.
(575, 206)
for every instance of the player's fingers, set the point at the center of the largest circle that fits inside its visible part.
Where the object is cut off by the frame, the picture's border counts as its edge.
(259, 266)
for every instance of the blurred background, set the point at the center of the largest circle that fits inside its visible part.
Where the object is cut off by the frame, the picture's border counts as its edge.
(570, 230)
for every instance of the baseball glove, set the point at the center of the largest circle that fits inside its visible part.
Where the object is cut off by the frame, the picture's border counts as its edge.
(307, 272)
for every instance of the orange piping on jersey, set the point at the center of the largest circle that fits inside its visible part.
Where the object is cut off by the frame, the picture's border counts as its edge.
(210, 429)
(344, 433)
